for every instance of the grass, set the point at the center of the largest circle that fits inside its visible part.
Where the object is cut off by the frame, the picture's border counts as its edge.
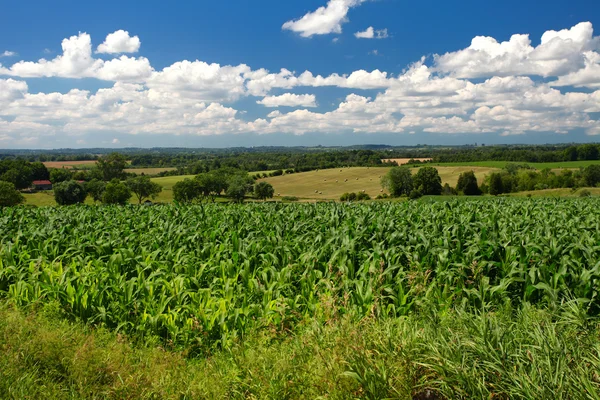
(149, 171)
(332, 182)
(561, 192)
(539, 166)
(526, 353)
(46, 198)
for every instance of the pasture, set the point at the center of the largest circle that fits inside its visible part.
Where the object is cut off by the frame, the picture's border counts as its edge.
(70, 164)
(330, 184)
(539, 166)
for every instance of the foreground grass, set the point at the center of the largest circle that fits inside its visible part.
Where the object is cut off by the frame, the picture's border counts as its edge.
(528, 354)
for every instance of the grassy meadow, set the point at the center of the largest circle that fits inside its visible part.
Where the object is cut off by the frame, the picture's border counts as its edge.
(538, 166)
(330, 184)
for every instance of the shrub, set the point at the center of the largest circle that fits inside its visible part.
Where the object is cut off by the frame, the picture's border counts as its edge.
(363, 196)
(585, 193)
(290, 198)
(415, 194)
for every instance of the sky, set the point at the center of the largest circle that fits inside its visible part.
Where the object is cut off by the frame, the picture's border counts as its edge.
(235, 73)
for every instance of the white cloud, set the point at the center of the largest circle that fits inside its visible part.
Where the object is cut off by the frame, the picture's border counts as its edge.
(119, 42)
(77, 62)
(588, 76)
(196, 97)
(115, 141)
(289, 100)
(371, 33)
(324, 20)
(558, 53)
(7, 53)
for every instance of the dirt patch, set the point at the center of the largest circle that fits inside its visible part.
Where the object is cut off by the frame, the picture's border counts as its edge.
(67, 164)
(402, 161)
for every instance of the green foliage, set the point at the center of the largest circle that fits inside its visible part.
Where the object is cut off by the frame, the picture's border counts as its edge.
(495, 184)
(111, 166)
(116, 192)
(427, 181)
(68, 193)
(187, 190)
(398, 181)
(204, 276)
(95, 188)
(290, 198)
(591, 175)
(448, 190)
(39, 171)
(238, 186)
(17, 172)
(58, 175)
(9, 196)
(467, 184)
(585, 193)
(415, 194)
(264, 190)
(505, 354)
(360, 196)
(142, 187)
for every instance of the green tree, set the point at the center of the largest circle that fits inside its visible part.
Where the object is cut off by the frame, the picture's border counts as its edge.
(39, 171)
(111, 166)
(69, 192)
(427, 181)
(264, 190)
(496, 187)
(95, 188)
(467, 184)
(238, 186)
(9, 195)
(142, 187)
(591, 175)
(187, 190)
(398, 181)
(58, 175)
(116, 192)
(212, 183)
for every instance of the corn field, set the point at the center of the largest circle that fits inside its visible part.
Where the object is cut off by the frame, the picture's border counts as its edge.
(206, 275)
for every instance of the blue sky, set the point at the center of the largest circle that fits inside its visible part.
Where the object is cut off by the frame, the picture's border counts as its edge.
(354, 71)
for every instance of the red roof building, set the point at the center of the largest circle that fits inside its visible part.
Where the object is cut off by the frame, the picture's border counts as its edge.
(42, 185)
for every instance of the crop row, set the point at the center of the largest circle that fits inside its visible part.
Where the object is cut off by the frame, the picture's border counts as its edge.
(204, 275)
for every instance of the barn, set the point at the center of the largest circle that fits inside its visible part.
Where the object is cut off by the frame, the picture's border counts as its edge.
(42, 185)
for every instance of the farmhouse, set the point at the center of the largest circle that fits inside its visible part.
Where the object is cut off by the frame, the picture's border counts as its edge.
(42, 185)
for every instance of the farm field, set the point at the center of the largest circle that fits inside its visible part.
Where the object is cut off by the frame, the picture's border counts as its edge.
(304, 184)
(539, 166)
(70, 164)
(149, 171)
(302, 300)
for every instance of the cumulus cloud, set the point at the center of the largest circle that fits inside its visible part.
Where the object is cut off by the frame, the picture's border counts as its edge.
(324, 20)
(120, 42)
(195, 97)
(559, 53)
(289, 100)
(371, 33)
(7, 53)
(77, 61)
